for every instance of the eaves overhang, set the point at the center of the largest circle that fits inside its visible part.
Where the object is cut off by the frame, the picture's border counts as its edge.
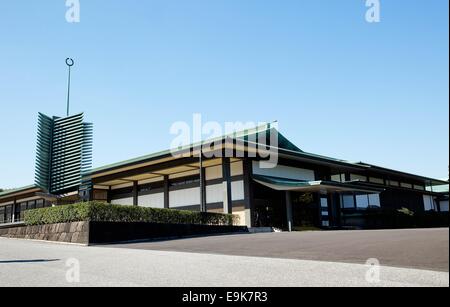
(10, 195)
(281, 184)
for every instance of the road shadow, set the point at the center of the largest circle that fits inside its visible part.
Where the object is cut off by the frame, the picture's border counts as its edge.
(28, 261)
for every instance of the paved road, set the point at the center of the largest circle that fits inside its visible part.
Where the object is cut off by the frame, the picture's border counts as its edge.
(418, 248)
(25, 263)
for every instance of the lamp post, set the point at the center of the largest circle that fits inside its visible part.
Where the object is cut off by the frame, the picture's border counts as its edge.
(69, 63)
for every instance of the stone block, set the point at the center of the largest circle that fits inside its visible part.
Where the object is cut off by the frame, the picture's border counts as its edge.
(73, 227)
(75, 237)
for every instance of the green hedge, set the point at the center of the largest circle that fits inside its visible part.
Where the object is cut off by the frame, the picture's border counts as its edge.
(102, 212)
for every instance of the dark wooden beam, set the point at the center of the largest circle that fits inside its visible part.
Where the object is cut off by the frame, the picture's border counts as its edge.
(289, 214)
(144, 170)
(248, 191)
(166, 192)
(135, 194)
(203, 190)
(226, 170)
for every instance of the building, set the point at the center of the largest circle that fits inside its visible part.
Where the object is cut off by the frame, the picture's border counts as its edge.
(64, 153)
(299, 189)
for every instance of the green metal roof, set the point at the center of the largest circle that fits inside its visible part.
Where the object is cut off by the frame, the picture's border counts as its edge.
(245, 135)
(17, 190)
(433, 181)
(285, 147)
(282, 184)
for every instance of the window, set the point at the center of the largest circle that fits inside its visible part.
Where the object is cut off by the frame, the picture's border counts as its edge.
(324, 202)
(40, 203)
(31, 205)
(354, 177)
(429, 204)
(376, 180)
(348, 202)
(2, 215)
(368, 201)
(8, 214)
(393, 183)
(338, 178)
(17, 214)
(444, 205)
(23, 207)
(406, 185)
(362, 201)
(374, 200)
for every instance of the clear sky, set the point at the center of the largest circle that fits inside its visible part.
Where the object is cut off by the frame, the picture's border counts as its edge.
(338, 86)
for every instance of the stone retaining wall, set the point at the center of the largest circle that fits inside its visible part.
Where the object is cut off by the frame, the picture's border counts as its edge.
(77, 232)
(109, 232)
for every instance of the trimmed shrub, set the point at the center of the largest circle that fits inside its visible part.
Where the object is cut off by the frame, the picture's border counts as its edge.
(103, 212)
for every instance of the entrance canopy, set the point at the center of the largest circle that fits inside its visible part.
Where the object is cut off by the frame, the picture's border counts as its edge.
(280, 184)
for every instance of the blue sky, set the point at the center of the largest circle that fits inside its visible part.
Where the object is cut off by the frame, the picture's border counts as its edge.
(338, 85)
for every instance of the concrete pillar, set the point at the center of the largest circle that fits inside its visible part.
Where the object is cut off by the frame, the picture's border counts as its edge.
(289, 214)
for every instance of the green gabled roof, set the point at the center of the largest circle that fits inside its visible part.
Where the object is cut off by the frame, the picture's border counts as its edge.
(17, 190)
(246, 135)
(285, 147)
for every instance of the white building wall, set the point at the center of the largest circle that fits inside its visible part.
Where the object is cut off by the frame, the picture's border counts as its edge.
(123, 201)
(152, 200)
(214, 193)
(237, 190)
(185, 197)
(242, 218)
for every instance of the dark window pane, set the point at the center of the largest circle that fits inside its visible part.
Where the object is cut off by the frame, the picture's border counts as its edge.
(40, 203)
(2, 215)
(23, 207)
(8, 214)
(17, 214)
(31, 205)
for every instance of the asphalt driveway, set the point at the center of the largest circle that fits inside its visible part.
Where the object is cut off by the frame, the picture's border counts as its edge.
(44, 264)
(426, 249)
